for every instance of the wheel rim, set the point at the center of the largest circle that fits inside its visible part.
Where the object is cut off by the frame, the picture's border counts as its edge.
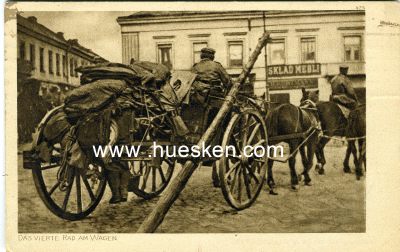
(152, 179)
(242, 177)
(72, 194)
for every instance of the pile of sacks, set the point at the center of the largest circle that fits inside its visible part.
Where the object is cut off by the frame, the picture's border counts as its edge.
(105, 88)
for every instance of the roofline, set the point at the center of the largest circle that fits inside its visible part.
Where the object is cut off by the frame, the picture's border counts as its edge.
(219, 15)
(54, 38)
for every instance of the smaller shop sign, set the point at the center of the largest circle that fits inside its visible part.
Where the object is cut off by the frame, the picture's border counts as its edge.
(283, 84)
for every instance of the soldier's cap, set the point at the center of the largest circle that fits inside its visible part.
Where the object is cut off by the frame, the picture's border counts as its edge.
(343, 67)
(208, 50)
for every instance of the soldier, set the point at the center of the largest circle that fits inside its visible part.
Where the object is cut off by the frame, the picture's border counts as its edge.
(342, 89)
(209, 73)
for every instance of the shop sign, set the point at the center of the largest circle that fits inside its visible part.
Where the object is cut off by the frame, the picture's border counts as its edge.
(283, 84)
(294, 70)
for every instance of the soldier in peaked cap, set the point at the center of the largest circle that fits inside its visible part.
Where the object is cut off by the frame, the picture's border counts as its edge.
(209, 73)
(342, 89)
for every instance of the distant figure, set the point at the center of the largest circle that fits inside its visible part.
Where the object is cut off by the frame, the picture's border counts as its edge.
(30, 109)
(342, 89)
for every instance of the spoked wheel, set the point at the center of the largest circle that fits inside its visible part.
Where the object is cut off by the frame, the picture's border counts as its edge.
(153, 177)
(68, 192)
(242, 177)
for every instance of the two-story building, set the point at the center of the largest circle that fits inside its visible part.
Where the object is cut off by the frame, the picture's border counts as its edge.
(52, 58)
(306, 49)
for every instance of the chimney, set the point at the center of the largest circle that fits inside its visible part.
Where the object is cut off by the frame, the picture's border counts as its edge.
(32, 19)
(74, 42)
(60, 35)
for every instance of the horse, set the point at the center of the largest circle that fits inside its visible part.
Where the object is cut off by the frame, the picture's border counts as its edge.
(334, 123)
(289, 119)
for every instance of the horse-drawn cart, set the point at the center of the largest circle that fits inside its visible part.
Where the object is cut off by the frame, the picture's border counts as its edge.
(73, 193)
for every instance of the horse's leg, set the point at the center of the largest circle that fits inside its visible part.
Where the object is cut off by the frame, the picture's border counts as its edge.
(270, 177)
(304, 160)
(363, 152)
(292, 165)
(311, 147)
(321, 155)
(352, 146)
(361, 158)
(346, 167)
(214, 175)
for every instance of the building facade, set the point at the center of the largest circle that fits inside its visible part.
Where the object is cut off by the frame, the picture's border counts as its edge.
(306, 49)
(53, 60)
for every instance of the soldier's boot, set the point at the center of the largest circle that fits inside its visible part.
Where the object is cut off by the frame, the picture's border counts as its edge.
(113, 178)
(123, 187)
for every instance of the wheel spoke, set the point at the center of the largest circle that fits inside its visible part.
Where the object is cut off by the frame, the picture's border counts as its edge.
(162, 174)
(259, 142)
(153, 179)
(54, 188)
(88, 188)
(236, 144)
(68, 192)
(253, 175)
(232, 186)
(234, 167)
(145, 177)
(244, 132)
(78, 192)
(246, 183)
(169, 162)
(253, 133)
(240, 185)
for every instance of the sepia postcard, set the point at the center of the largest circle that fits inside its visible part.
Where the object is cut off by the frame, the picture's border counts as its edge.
(202, 126)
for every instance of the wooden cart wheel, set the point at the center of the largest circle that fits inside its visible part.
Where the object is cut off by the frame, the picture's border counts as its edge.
(242, 177)
(70, 193)
(152, 179)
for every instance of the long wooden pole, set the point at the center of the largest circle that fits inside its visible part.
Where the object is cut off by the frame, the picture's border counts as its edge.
(155, 218)
(266, 66)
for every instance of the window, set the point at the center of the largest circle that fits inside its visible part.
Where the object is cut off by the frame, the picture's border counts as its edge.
(22, 50)
(32, 54)
(197, 46)
(308, 50)
(76, 66)
(277, 52)
(64, 63)
(352, 48)
(58, 64)
(165, 55)
(235, 53)
(51, 62)
(41, 58)
(280, 98)
(71, 67)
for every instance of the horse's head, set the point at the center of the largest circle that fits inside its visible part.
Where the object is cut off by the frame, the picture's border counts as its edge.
(312, 95)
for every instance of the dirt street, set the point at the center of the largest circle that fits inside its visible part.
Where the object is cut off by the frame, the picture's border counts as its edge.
(334, 203)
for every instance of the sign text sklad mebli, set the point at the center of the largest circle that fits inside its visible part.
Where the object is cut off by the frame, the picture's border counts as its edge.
(294, 70)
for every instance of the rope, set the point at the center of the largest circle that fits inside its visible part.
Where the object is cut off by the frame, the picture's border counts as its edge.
(343, 139)
(313, 130)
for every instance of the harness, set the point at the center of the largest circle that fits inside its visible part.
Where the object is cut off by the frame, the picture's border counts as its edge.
(306, 108)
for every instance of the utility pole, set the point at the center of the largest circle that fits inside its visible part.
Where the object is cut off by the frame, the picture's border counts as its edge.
(266, 67)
